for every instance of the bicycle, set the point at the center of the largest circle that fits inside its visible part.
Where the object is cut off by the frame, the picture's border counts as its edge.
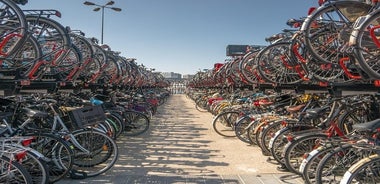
(94, 151)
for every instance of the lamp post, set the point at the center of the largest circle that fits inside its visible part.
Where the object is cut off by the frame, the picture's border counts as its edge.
(102, 7)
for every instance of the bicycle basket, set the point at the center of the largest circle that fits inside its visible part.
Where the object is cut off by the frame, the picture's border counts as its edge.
(139, 107)
(86, 116)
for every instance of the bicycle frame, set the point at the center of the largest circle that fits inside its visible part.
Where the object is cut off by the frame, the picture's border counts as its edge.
(57, 121)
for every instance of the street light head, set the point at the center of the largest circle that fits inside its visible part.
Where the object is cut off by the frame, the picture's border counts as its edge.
(110, 3)
(116, 9)
(88, 3)
(102, 7)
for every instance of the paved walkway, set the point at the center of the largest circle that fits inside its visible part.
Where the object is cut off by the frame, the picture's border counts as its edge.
(181, 147)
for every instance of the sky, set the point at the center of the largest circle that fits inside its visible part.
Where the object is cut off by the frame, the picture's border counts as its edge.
(181, 36)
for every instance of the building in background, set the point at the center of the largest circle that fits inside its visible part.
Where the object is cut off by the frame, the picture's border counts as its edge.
(171, 76)
(177, 81)
(187, 77)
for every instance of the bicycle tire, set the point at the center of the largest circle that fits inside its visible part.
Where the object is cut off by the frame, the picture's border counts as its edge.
(309, 165)
(135, 123)
(24, 59)
(278, 141)
(247, 66)
(84, 46)
(107, 128)
(266, 135)
(58, 151)
(295, 150)
(54, 40)
(366, 45)
(68, 68)
(354, 116)
(328, 27)
(103, 152)
(251, 135)
(270, 64)
(335, 163)
(277, 144)
(95, 68)
(13, 26)
(37, 167)
(364, 171)
(242, 126)
(311, 68)
(258, 132)
(110, 70)
(116, 120)
(201, 105)
(224, 123)
(18, 173)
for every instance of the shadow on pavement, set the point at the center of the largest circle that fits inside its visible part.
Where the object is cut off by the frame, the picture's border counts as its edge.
(173, 145)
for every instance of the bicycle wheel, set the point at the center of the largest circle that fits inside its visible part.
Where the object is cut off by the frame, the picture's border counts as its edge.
(276, 66)
(13, 172)
(279, 140)
(266, 135)
(135, 123)
(277, 143)
(224, 123)
(52, 38)
(93, 70)
(251, 135)
(110, 71)
(294, 150)
(84, 46)
(21, 63)
(107, 128)
(364, 171)
(258, 132)
(328, 29)
(101, 156)
(67, 68)
(242, 126)
(366, 47)
(309, 165)
(201, 105)
(352, 117)
(247, 67)
(311, 68)
(326, 72)
(335, 163)
(116, 120)
(37, 167)
(58, 152)
(13, 28)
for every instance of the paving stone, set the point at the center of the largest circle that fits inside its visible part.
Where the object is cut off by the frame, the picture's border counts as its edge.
(182, 148)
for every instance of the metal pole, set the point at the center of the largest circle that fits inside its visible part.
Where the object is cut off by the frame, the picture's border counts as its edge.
(102, 25)
(110, 3)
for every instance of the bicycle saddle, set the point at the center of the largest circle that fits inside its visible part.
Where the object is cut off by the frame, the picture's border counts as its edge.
(370, 126)
(316, 112)
(31, 113)
(293, 109)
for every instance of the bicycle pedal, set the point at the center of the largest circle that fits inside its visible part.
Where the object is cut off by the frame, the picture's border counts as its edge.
(282, 168)
(74, 174)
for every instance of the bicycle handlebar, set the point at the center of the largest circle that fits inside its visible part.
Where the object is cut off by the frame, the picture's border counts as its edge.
(22, 2)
